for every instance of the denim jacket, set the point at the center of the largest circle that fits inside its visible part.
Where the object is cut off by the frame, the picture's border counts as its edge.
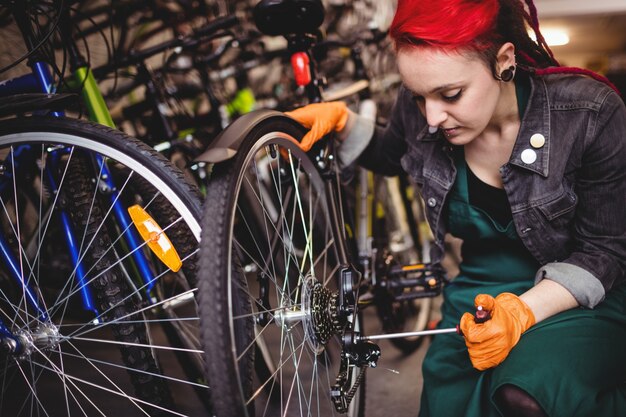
(568, 205)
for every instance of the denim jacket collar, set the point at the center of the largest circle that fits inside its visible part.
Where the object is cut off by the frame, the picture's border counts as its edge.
(536, 120)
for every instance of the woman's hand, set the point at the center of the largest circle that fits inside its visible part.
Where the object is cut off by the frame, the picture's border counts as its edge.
(321, 119)
(490, 342)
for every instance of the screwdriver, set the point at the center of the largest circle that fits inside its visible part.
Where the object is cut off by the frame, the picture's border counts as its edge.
(480, 316)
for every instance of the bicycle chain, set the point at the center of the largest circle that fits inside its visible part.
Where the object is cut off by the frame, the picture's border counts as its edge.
(334, 313)
(350, 395)
(326, 322)
(340, 399)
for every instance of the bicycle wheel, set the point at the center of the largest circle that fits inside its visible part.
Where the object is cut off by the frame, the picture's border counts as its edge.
(272, 342)
(117, 356)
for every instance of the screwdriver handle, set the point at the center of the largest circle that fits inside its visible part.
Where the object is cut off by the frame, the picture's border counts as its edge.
(481, 315)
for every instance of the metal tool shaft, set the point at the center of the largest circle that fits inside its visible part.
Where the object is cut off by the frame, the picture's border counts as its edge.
(410, 334)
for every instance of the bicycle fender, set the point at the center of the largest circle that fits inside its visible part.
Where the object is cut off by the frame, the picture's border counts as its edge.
(34, 102)
(227, 143)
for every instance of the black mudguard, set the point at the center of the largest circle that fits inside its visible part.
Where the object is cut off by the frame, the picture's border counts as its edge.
(35, 102)
(227, 143)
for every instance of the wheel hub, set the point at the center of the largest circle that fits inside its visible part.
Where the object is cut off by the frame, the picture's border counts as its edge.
(44, 337)
(317, 312)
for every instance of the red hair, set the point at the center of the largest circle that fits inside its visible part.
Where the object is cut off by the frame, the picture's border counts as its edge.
(481, 26)
(451, 24)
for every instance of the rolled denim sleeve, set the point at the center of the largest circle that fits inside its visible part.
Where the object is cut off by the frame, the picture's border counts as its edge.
(377, 148)
(584, 286)
(357, 140)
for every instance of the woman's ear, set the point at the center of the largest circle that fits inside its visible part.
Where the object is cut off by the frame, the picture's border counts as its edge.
(505, 57)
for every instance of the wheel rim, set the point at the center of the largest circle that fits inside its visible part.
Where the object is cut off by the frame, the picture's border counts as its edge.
(70, 362)
(289, 286)
(114, 154)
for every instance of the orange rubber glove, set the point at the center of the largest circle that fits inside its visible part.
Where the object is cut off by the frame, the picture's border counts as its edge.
(489, 343)
(321, 119)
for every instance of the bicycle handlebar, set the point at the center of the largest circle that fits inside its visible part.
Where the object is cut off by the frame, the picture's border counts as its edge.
(135, 57)
(219, 23)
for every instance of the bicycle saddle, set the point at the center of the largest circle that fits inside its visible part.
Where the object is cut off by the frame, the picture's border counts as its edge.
(288, 17)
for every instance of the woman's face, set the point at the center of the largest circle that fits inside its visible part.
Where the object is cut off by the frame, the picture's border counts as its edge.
(455, 92)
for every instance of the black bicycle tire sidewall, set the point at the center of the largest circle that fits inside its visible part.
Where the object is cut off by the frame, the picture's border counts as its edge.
(116, 140)
(214, 263)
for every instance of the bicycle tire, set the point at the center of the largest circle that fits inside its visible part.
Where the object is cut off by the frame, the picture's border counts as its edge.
(253, 286)
(109, 285)
(78, 365)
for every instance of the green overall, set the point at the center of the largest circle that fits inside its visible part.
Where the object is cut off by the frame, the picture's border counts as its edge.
(573, 364)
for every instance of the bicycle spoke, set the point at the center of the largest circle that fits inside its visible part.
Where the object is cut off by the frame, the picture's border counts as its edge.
(33, 393)
(61, 375)
(87, 307)
(102, 223)
(118, 261)
(52, 207)
(133, 313)
(73, 380)
(278, 370)
(274, 223)
(151, 346)
(129, 369)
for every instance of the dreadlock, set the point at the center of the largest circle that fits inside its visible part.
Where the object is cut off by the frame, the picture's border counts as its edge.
(513, 24)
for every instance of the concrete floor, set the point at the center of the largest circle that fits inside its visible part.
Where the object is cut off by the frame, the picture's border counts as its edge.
(395, 386)
(398, 394)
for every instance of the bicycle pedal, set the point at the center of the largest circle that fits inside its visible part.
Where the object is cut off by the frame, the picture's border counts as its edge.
(414, 267)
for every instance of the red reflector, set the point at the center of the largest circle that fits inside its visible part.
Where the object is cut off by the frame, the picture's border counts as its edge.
(301, 70)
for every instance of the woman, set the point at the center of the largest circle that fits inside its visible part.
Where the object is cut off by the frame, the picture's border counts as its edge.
(526, 162)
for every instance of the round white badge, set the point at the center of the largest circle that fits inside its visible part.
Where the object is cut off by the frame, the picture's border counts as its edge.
(529, 156)
(537, 140)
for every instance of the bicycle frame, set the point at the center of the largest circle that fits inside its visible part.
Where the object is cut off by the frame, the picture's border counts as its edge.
(41, 80)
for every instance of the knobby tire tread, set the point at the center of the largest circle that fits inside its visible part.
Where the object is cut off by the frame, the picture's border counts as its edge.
(110, 287)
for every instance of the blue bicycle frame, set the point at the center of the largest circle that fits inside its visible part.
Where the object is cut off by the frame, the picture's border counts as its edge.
(38, 81)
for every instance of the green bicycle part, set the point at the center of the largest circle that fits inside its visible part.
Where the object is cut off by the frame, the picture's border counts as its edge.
(244, 102)
(97, 108)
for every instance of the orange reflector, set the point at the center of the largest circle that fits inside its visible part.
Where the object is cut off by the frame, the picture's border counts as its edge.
(155, 237)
